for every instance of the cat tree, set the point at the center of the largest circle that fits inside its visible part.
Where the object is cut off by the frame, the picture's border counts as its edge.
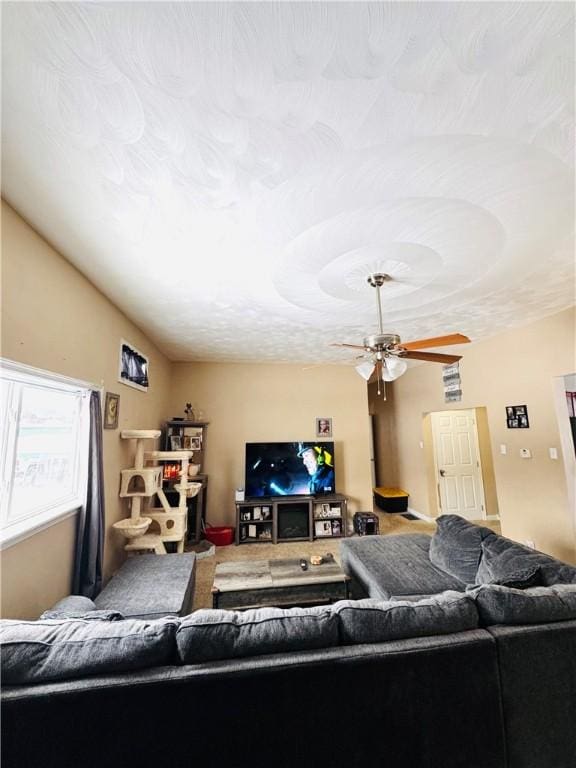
(141, 484)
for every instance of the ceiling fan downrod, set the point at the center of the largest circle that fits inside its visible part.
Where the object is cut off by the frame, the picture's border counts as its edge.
(377, 280)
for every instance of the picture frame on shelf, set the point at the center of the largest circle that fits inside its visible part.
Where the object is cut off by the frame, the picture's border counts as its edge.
(323, 528)
(195, 442)
(175, 443)
(111, 410)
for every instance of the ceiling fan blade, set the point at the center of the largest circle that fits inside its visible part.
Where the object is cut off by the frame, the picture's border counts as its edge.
(431, 357)
(351, 346)
(436, 341)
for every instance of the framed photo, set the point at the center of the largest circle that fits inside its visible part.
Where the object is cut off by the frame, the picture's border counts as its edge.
(323, 528)
(175, 443)
(517, 417)
(323, 427)
(133, 366)
(195, 443)
(111, 410)
(186, 442)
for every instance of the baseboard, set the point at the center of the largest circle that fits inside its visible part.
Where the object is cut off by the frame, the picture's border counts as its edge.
(421, 515)
(492, 517)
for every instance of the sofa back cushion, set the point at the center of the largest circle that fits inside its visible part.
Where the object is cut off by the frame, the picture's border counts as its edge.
(508, 571)
(503, 605)
(208, 635)
(51, 649)
(376, 621)
(502, 557)
(456, 547)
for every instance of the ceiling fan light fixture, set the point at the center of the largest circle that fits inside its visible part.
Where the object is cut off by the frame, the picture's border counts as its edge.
(365, 369)
(395, 368)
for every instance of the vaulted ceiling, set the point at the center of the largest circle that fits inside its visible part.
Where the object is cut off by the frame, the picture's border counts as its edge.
(229, 173)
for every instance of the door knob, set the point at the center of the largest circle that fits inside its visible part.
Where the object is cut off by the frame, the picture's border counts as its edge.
(442, 473)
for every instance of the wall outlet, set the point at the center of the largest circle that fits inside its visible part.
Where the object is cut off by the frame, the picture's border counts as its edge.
(525, 453)
(503, 449)
(553, 453)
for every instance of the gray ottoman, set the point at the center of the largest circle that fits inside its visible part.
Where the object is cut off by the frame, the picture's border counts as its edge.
(151, 586)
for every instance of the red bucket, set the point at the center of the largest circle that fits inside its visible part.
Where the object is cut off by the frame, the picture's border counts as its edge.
(220, 535)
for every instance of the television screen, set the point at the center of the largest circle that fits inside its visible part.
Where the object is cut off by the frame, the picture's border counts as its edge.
(290, 469)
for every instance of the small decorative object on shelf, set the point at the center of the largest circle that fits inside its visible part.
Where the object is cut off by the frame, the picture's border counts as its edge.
(188, 410)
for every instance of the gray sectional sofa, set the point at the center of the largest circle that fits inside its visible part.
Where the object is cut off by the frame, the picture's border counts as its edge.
(476, 674)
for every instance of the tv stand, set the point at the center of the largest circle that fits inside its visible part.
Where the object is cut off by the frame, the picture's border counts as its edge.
(271, 520)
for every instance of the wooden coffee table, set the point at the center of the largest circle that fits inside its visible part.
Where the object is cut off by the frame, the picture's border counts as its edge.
(258, 583)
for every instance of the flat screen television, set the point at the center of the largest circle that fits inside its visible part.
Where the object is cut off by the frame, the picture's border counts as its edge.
(290, 469)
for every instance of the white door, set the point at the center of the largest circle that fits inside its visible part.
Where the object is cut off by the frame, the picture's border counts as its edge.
(457, 463)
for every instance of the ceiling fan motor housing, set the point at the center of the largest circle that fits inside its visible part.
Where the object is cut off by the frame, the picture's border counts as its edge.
(381, 342)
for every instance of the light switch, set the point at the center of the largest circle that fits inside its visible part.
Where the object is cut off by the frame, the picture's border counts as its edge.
(553, 453)
(422, 444)
(503, 449)
(525, 453)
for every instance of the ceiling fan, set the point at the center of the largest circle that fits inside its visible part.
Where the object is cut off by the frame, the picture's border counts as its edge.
(386, 354)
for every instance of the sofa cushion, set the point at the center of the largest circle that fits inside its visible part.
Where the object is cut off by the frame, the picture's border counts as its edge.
(79, 607)
(149, 587)
(501, 557)
(504, 605)
(207, 635)
(374, 621)
(456, 547)
(394, 566)
(50, 649)
(508, 571)
(70, 607)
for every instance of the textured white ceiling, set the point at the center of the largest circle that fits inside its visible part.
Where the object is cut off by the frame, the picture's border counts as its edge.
(230, 173)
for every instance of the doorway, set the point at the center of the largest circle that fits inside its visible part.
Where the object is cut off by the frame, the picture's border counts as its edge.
(457, 464)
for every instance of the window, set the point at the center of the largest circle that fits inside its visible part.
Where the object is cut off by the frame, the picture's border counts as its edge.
(44, 434)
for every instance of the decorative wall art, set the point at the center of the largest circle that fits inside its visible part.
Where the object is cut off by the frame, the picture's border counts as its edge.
(517, 417)
(452, 383)
(323, 427)
(133, 367)
(111, 410)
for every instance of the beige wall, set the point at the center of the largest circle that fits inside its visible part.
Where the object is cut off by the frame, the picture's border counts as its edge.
(55, 319)
(258, 403)
(514, 368)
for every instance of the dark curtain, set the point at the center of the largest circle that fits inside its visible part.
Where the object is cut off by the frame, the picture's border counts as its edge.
(90, 532)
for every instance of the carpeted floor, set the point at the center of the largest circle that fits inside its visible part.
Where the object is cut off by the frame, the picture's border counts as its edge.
(389, 524)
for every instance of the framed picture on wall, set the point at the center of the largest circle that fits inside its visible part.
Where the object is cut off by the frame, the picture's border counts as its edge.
(111, 410)
(133, 366)
(323, 427)
(517, 417)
